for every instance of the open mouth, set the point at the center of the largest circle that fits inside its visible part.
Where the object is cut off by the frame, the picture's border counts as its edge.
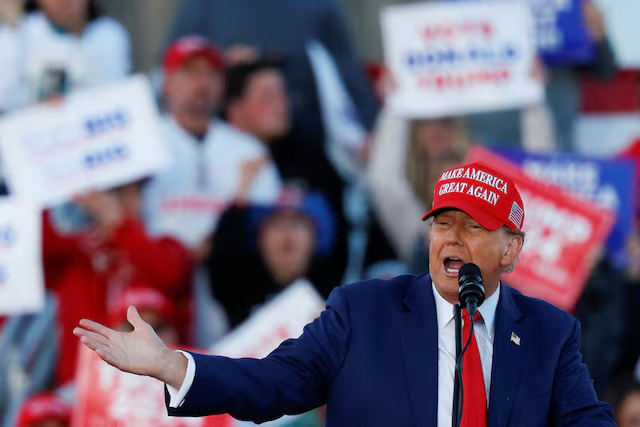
(452, 266)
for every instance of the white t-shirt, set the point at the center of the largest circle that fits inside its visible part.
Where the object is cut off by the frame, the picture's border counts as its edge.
(99, 55)
(186, 200)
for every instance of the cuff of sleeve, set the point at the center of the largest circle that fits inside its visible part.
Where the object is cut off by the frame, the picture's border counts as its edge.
(177, 396)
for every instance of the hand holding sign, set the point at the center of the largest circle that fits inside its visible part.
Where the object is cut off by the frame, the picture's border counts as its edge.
(139, 352)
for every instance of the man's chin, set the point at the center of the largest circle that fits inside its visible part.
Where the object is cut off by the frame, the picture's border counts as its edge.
(447, 286)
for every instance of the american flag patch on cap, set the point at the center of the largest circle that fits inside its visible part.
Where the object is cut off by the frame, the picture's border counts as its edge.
(516, 215)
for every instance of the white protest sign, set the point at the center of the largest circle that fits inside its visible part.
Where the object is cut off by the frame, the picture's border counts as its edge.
(21, 277)
(283, 317)
(460, 58)
(95, 140)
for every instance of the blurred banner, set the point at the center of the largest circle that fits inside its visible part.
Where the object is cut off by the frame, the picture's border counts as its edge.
(21, 277)
(108, 397)
(94, 140)
(458, 58)
(561, 33)
(564, 236)
(608, 183)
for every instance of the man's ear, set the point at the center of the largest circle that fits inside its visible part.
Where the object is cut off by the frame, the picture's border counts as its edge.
(513, 248)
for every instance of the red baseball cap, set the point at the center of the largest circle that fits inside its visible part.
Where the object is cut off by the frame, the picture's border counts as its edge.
(44, 407)
(483, 193)
(187, 47)
(142, 299)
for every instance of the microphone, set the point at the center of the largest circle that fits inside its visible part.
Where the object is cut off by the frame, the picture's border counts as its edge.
(471, 291)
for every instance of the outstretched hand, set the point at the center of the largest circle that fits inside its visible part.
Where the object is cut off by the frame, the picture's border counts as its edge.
(139, 352)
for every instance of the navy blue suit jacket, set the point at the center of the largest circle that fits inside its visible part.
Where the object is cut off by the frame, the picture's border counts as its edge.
(372, 357)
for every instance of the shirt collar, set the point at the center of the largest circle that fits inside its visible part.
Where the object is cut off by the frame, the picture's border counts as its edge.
(444, 309)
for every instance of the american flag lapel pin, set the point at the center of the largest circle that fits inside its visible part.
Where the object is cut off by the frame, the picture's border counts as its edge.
(515, 338)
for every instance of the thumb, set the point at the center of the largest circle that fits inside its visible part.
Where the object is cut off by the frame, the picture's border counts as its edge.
(134, 318)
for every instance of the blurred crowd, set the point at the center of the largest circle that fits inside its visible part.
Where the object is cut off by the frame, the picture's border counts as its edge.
(285, 167)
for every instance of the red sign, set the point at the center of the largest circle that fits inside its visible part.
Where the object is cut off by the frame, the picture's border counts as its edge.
(108, 397)
(564, 234)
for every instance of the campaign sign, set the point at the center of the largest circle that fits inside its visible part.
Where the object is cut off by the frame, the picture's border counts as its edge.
(564, 233)
(95, 140)
(608, 183)
(561, 34)
(459, 58)
(282, 318)
(21, 277)
(108, 397)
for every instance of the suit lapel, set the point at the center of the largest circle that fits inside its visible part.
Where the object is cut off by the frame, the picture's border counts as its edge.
(507, 359)
(419, 329)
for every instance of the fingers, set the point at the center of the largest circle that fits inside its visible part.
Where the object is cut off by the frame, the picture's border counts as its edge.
(92, 326)
(91, 336)
(134, 318)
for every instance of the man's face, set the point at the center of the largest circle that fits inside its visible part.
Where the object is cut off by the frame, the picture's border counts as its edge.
(457, 239)
(264, 106)
(286, 243)
(65, 12)
(194, 88)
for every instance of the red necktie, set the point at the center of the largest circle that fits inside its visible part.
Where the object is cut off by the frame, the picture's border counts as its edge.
(474, 412)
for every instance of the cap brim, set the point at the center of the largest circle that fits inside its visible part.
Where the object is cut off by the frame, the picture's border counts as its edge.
(484, 218)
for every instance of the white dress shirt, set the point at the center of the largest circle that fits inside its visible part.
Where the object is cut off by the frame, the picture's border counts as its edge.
(484, 333)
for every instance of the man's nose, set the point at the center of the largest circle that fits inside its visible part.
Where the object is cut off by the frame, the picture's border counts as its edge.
(453, 236)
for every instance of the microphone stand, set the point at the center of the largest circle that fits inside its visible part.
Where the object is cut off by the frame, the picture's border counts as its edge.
(457, 316)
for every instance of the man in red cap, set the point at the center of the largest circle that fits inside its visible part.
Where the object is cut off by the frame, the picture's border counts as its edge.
(213, 165)
(383, 352)
(44, 410)
(208, 155)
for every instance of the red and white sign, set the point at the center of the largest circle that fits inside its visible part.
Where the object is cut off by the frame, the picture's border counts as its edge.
(564, 233)
(460, 57)
(108, 397)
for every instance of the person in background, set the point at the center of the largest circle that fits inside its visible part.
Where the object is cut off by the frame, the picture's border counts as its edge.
(44, 410)
(208, 155)
(154, 307)
(70, 45)
(87, 267)
(262, 249)
(602, 311)
(212, 165)
(562, 95)
(285, 28)
(257, 104)
(406, 160)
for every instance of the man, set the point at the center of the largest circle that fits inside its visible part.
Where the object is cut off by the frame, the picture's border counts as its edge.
(209, 157)
(382, 354)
